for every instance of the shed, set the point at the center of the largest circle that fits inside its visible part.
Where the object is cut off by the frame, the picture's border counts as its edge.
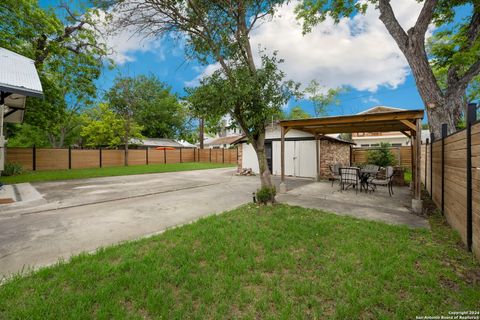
(300, 153)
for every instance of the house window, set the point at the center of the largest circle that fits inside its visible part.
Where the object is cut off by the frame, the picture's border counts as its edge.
(374, 145)
(396, 144)
(364, 145)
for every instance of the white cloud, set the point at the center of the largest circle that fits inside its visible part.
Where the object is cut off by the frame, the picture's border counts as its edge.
(123, 43)
(357, 52)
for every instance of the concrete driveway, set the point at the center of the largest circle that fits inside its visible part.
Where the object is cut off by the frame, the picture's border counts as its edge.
(83, 215)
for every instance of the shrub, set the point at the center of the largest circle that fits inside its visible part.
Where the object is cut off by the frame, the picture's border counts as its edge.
(266, 194)
(12, 169)
(382, 156)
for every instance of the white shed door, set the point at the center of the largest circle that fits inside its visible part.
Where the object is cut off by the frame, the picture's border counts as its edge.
(305, 159)
(299, 158)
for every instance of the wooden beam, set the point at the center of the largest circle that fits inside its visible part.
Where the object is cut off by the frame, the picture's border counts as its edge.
(418, 156)
(385, 116)
(408, 135)
(409, 124)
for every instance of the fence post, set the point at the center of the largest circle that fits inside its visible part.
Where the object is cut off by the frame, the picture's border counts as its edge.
(444, 134)
(146, 155)
(69, 157)
(181, 155)
(426, 163)
(100, 157)
(34, 158)
(223, 155)
(237, 154)
(165, 155)
(210, 155)
(471, 117)
(432, 139)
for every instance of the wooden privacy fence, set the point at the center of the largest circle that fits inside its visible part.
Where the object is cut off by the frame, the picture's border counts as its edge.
(55, 159)
(450, 172)
(403, 155)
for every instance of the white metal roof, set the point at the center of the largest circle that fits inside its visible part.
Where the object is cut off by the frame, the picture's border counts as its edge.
(18, 74)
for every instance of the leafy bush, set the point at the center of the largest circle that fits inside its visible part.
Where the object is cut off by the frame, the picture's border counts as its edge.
(12, 169)
(266, 194)
(381, 156)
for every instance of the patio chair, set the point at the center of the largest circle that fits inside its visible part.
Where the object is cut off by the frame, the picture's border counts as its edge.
(350, 177)
(388, 181)
(335, 172)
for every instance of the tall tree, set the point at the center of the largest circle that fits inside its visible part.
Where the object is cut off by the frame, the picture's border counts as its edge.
(297, 113)
(461, 57)
(322, 97)
(67, 55)
(219, 31)
(103, 127)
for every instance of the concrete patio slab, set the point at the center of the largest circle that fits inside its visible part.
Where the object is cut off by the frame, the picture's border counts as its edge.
(376, 205)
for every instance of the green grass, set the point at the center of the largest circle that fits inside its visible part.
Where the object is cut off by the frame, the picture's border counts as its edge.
(51, 175)
(269, 262)
(407, 176)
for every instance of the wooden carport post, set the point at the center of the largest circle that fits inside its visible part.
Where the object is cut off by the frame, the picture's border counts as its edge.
(283, 186)
(317, 156)
(417, 205)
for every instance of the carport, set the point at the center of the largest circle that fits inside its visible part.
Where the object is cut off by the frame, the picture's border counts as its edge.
(408, 122)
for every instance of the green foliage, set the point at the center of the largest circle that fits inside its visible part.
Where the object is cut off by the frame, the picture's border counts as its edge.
(449, 49)
(250, 99)
(12, 169)
(27, 135)
(297, 113)
(67, 55)
(381, 156)
(266, 194)
(103, 127)
(322, 97)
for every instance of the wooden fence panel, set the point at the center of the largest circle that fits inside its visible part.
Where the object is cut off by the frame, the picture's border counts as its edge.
(52, 159)
(113, 158)
(204, 155)
(187, 155)
(82, 159)
(22, 156)
(403, 155)
(156, 156)
(137, 157)
(476, 189)
(173, 156)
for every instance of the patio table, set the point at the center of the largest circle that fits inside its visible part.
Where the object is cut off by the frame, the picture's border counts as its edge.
(365, 175)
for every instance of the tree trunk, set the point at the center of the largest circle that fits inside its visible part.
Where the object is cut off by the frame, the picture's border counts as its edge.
(127, 136)
(201, 133)
(258, 144)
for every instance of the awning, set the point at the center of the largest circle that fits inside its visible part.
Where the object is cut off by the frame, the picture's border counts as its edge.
(18, 80)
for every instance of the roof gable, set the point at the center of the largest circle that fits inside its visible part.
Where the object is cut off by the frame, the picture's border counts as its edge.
(380, 109)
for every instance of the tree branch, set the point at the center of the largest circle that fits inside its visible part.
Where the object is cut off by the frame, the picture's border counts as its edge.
(472, 72)
(387, 16)
(424, 19)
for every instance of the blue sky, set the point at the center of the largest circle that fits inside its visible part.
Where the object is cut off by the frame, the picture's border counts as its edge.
(357, 54)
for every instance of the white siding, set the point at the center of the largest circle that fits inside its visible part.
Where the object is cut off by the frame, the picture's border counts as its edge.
(249, 157)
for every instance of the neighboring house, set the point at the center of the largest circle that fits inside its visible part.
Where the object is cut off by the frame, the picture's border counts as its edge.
(226, 137)
(221, 142)
(300, 153)
(159, 142)
(373, 139)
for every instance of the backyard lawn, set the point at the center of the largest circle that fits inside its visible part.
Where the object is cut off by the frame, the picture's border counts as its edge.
(270, 262)
(51, 175)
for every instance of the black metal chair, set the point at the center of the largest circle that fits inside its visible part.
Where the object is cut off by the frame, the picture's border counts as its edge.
(388, 181)
(350, 177)
(335, 172)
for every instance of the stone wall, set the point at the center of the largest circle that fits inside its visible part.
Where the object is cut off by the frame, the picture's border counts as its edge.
(330, 153)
